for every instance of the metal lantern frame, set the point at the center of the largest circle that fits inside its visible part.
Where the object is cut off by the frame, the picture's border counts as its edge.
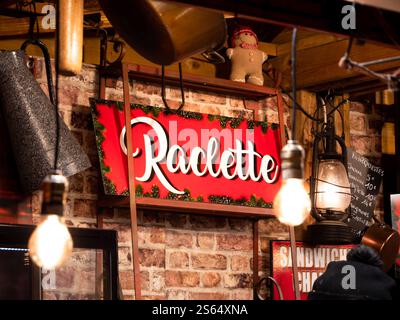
(330, 226)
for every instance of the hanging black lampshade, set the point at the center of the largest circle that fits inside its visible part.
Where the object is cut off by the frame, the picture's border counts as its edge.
(31, 123)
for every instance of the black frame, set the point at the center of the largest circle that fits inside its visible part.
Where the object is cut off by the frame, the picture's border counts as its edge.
(84, 238)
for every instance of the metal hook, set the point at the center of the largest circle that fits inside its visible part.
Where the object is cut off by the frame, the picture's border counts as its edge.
(46, 55)
(163, 88)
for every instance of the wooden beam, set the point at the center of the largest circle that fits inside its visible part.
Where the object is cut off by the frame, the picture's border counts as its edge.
(314, 40)
(196, 82)
(11, 27)
(200, 208)
(319, 65)
(377, 25)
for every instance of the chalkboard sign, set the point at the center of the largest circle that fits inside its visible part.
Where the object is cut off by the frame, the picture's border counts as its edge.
(365, 180)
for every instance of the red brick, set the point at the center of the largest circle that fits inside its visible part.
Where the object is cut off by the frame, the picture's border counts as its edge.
(200, 222)
(240, 224)
(176, 294)
(358, 122)
(234, 242)
(91, 184)
(242, 295)
(263, 263)
(152, 218)
(182, 278)
(85, 208)
(362, 144)
(179, 239)
(85, 280)
(270, 226)
(157, 235)
(152, 258)
(76, 183)
(209, 261)
(240, 263)
(210, 279)
(360, 107)
(175, 220)
(127, 280)
(208, 98)
(146, 88)
(154, 297)
(208, 296)
(123, 231)
(124, 256)
(178, 260)
(157, 281)
(241, 280)
(272, 103)
(205, 240)
(65, 277)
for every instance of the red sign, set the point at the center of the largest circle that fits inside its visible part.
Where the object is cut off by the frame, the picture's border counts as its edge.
(189, 156)
(395, 206)
(311, 263)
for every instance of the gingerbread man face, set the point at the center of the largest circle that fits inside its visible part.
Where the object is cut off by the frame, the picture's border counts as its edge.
(244, 38)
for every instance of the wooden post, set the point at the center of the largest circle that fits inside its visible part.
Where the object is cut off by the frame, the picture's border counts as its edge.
(255, 257)
(281, 118)
(131, 182)
(71, 36)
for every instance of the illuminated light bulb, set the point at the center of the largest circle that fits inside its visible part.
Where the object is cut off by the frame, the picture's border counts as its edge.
(333, 186)
(292, 203)
(51, 243)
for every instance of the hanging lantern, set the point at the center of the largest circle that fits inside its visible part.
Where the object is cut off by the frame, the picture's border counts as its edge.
(330, 189)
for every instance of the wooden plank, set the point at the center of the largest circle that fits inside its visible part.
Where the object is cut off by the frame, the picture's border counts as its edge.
(10, 27)
(319, 65)
(132, 193)
(201, 208)
(313, 40)
(196, 82)
(320, 16)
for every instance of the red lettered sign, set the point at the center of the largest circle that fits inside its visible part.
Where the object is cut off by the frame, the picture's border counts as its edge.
(188, 156)
(311, 263)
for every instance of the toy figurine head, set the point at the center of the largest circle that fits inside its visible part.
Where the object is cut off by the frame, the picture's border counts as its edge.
(244, 37)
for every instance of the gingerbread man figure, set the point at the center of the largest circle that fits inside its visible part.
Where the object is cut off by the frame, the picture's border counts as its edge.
(247, 59)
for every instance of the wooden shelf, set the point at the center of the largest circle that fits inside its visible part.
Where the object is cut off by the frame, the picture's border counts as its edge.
(195, 82)
(188, 207)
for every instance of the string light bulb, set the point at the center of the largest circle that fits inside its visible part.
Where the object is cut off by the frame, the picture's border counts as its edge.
(292, 204)
(50, 245)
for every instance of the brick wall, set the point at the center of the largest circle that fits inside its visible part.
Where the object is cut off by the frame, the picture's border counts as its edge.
(366, 123)
(181, 256)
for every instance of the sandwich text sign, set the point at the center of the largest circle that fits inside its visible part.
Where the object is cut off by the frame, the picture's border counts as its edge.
(311, 263)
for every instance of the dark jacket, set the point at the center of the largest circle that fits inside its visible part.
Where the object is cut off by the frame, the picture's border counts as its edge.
(359, 278)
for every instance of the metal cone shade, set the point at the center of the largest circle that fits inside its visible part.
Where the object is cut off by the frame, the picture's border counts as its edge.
(31, 123)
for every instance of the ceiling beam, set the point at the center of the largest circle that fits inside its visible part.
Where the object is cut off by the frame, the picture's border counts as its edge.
(318, 66)
(373, 24)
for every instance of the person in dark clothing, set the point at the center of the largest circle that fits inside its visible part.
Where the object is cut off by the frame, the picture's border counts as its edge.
(361, 277)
